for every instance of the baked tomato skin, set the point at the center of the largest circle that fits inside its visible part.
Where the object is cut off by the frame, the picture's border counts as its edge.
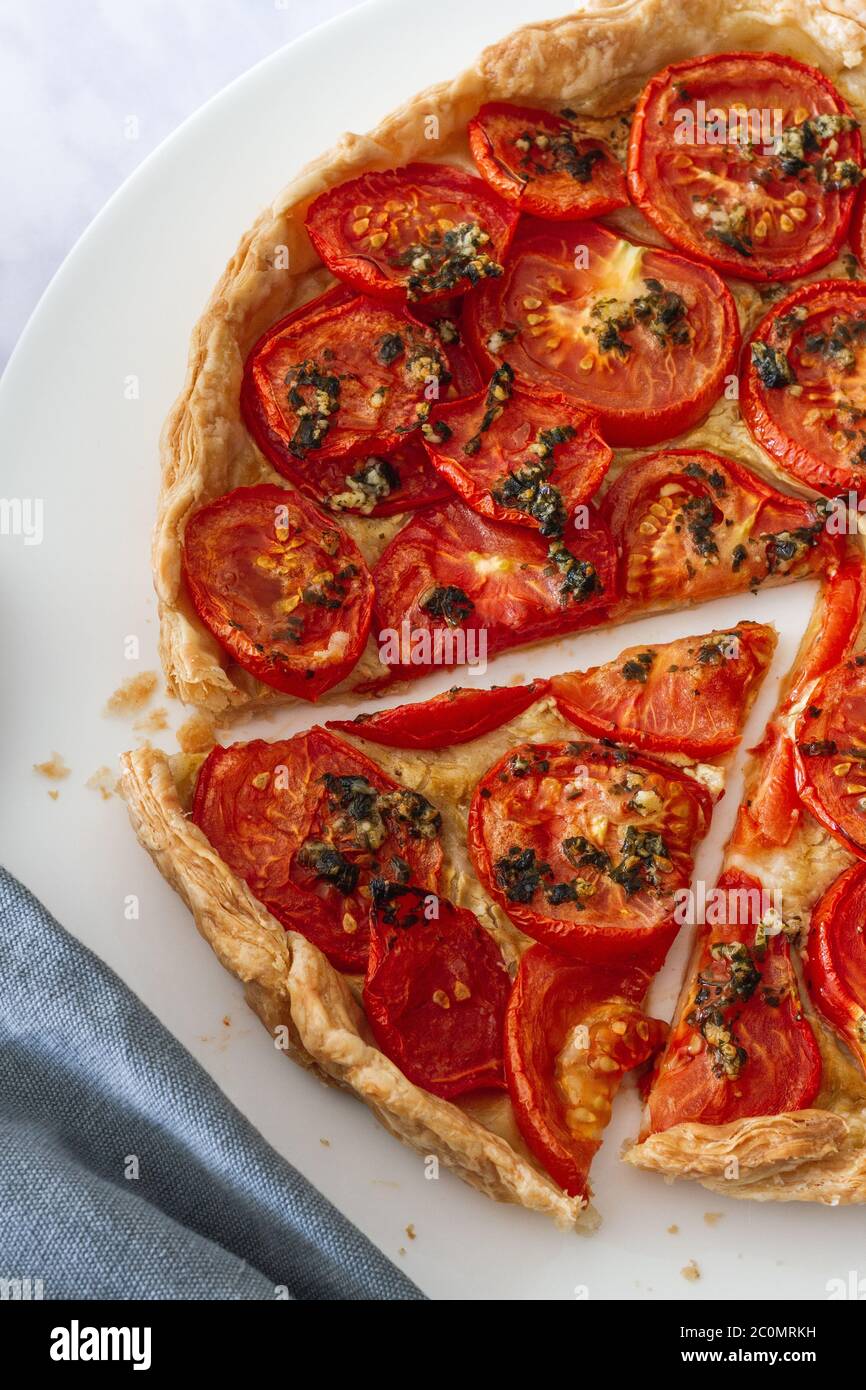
(420, 233)
(435, 991)
(689, 696)
(740, 1044)
(538, 161)
(457, 716)
(285, 592)
(830, 754)
(772, 812)
(836, 960)
(308, 823)
(453, 588)
(583, 846)
(640, 337)
(519, 454)
(858, 227)
(691, 525)
(763, 208)
(352, 379)
(803, 385)
(571, 1032)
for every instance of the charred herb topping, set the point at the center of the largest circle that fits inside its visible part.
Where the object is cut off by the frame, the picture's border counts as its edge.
(663, 312)
(330, 865)
(561, 150)
(820, 747)
(644, 856)
(445, 258)
(498, 395)
(738, 555)
(314, 395)
(638, 668)
(837, 348)
(716, 995)
(715, 652)
(715, 479)
(375, 481)
(580, 578)
(520, 874)
(529, 490)
(699, 515)
(796, 142)
(787, 547)
(448, 602)
(772, 366)
(499, 338)
(360, 811)
(391, 346)
(729, 225)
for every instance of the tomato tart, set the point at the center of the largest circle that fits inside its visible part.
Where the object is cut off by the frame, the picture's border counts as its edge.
(590, 345)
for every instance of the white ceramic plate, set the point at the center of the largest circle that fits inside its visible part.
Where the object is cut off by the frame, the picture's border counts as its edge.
(74, 434)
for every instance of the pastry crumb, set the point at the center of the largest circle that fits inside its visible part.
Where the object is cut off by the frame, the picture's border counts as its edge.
(53, 793)
(154, 722)
(196, 735)
(712, 1218)
(54, 768)
(227, 1021)
(325, 1143)
(103, 780)
(673, 1230)
(691, 1272)
(402, 1250)
(411, 1232)
(133, 694)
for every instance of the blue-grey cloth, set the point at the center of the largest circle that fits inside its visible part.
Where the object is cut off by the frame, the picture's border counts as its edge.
(88, 1078)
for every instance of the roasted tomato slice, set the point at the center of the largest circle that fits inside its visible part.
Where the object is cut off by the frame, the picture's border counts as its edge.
(858, 227)
(453, 589)
(540, 162)
(571, 1032)
(748, 161)
(435, 991)
(456, 716)
(803, 384)
(423, 232)
(740, 1045)
(836, 964)
(284, 591)
(693, 526)
(690, 696)
(772, 811)
(641, 337)
(584, 846)
(519, 454)
(349, 380)
(830, 754)
(307, 823)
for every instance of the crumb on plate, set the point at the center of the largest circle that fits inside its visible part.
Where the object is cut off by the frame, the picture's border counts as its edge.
(691, 1272)
(54, 768)
(132, 694)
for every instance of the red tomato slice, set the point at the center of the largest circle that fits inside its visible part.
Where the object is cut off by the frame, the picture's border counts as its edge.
(455, 589)
(584, 846)
(307, 823)
(836, 963)
(423, 232)
(641, 337)
(435, 991)
(747, 161)
(571, 1033)
(830, 754)
(690, 696)
(285, 592)
(518, 454)
(773, 810)
(803, 384)
(538, 161)
(740, 1045)
(691, 526)
(858, 227)
(456, 716)
(350, 380)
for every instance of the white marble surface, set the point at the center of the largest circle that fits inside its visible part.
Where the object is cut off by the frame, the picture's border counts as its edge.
(88, 88)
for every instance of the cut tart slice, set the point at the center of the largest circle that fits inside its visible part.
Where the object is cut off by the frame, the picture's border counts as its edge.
(761, 1089)
(334, 874)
